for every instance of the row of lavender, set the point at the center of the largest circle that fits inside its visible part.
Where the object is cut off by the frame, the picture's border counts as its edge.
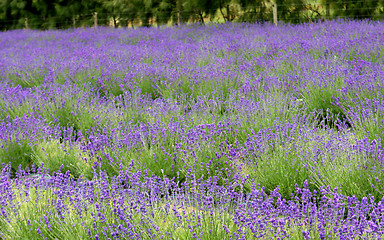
(134, 205)
(212, 112)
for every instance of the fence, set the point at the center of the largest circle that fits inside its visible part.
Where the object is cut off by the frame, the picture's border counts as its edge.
(270, 12)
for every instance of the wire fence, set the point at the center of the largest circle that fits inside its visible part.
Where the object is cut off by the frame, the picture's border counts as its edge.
(306, 12)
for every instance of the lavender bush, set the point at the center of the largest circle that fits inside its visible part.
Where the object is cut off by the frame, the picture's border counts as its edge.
(221, 132)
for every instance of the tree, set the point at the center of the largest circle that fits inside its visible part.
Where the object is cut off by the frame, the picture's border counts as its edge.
(256, 10)
(22, 9)
(121, 12)
(227, 10)
(6, 20)
(356, 9)
(198, 10)
(73, 13)
(146, 13)
(290, 10)
(166, 10)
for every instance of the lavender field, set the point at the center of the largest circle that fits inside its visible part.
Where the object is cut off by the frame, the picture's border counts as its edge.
(233, 131)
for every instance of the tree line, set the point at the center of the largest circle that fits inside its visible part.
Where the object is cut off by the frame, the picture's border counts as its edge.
(47, 14)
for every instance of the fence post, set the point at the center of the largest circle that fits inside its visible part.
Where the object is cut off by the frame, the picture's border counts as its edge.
(178, 18)
(26, 23)
(275, 14)
(327, 10)
(95, 20)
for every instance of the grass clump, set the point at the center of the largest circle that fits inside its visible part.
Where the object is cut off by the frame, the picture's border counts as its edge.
(37, 210)
(55, 155)
(18, 138)
(17, 154)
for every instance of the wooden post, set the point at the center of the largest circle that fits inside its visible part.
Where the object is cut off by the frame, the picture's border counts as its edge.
(74, 22)
(228, 14)
(179, 18)
(95, 20)
(26, 23)
(275, 14)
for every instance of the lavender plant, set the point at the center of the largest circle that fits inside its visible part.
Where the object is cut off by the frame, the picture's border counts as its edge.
(220, 132)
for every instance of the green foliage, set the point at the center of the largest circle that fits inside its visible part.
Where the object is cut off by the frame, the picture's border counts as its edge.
(355, 8)
(55, 156)
(198, 10)
(44, 14)
(148, 87)
(275, 108)
(120, 12)
(256, 10)
(27, 79)
(38, 214)
(166, 11)
(13, 109)
(307, 158)
(322, 101)
(17, 154)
